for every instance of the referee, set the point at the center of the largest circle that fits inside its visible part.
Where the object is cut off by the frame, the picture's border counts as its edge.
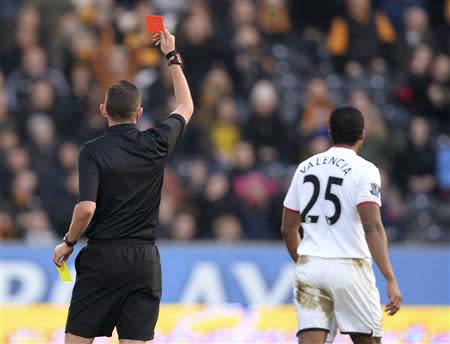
(121, 174)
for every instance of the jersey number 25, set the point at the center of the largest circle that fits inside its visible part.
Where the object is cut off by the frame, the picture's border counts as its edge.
(310, 178)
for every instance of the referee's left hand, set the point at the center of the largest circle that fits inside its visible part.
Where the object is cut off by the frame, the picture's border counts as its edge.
(61, 253)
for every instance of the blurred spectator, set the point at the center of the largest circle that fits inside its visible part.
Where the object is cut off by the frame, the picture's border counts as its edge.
(216, 84)
(416, 32)
(61, 184)
(438, 92)
(115, 66)
(217, 199)
(15, 160)
(34, 67)
(26, 36)
(427, 86)
(7, 226)
(255, 191)
(227, 228)
(196, 43)
(317, 108)
(242, 13)
(41, 131)
(42, 100)
(197, 177)
(22, 190)
(264, 127)
(184, 227)
(393, 210)
(417, 175)
(8, 139)
(361, 35)
(251, 58)
(225, 130)
(381, 143)
(273, 17)
(35, 227)
(244, 159)
(413, 92)
(68, 156)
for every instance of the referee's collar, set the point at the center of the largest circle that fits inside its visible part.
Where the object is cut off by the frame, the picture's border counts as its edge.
(120, 127)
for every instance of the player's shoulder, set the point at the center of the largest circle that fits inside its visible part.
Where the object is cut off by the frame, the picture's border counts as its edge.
(366, 165)
(312, 158)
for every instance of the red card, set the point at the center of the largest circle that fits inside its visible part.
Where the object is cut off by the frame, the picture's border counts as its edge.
(155, 23)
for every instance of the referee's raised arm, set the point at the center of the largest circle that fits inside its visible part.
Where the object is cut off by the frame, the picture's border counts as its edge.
(185, 106)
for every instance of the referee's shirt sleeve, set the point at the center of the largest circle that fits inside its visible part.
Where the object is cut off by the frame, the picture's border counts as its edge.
(88, 176)
(167, 133)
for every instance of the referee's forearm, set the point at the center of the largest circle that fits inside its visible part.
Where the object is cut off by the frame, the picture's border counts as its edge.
(183, 98)
(82, 216)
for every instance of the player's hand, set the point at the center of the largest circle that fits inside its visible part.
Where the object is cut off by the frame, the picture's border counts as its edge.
(61, 253)
(165, 40)
(395, 298)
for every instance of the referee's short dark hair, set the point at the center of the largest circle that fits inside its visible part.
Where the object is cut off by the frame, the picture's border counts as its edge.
(123, 98)
(346, 125)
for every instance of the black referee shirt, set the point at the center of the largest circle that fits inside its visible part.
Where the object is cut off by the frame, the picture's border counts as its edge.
(122, 171)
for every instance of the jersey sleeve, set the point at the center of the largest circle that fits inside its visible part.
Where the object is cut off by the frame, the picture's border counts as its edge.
(369, 186)
(291, 201)
(167, 133)
(88, 176)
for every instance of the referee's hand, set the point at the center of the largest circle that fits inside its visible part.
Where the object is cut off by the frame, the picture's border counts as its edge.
(165, 40)
(61, 253)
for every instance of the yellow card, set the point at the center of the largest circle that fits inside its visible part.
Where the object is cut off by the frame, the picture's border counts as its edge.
(64, 273)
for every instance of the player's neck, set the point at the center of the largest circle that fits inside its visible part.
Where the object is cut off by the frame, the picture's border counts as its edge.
(354, 148)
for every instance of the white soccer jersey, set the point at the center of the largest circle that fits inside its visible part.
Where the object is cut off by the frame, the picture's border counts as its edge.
(326, 190)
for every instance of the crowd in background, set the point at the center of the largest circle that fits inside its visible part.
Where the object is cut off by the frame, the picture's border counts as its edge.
(264, 74)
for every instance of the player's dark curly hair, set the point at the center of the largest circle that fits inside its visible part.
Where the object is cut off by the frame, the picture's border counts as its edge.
(346, 125)
(123, 98)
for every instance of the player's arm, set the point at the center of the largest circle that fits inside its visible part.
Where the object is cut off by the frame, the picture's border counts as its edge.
(377, 241)
(291, 221)
(84, 209)
(183, 98)
(290, 225)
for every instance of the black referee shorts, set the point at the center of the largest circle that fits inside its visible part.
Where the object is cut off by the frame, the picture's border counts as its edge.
(118, 285)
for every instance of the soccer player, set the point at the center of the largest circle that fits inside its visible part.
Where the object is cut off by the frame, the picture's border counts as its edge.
(335, 198)
(118, 280)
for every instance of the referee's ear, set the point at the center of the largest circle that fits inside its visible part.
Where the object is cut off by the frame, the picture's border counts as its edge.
(103, 111)
(139, 113)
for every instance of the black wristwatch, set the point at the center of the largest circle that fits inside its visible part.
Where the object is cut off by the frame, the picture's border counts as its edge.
(68, 242)
(173, 58)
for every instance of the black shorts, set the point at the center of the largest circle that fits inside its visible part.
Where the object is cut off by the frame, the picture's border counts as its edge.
(118, 285)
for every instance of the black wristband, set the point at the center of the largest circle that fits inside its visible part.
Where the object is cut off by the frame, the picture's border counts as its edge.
(172, 53)
(173, 58)
(68, 242)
